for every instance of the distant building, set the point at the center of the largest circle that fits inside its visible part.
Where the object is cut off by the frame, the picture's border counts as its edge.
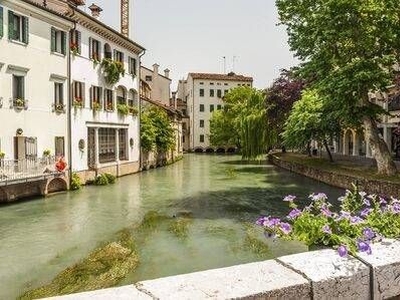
(160, 84)
(203, 93)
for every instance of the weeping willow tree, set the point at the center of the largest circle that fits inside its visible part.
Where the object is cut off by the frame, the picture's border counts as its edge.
(244, 122)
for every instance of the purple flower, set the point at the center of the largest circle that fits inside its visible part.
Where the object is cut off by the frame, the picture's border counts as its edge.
(319, 196)
(325, 211)
(289, 198)
(363, 246)
(366, 202)
(260, 221)
(368, 233)
(356, 220)
(326, 229)
(294, 213)
(396, 208)
(272, 222)
(365, 212)
(342, 250)
(382, 201)
(285, 227)
(343, 215)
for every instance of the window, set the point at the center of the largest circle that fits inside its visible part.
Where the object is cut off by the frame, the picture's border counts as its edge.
(123, 137)
(211, 83)
(218, 83)
(226, 92)
(30, 147)
(59, 146)
(18, 87)
(225, 83)
(201, 92)
(121, 96)
(107, 145)
(201, 107)
(132, 98)
(211, 93)
(211, 107)
(95, 96)
(1, 22)
(148, 78)
(201, 83)
(201, 123)
(108, 100)
(219, 93)
(75, 43)
(219, 107)
(118, 56)
(58, 94)
(18, 28)
(107, 51)
(201, 138)
(132, 66)
(78, 93)
(58, 41)
(94, 49)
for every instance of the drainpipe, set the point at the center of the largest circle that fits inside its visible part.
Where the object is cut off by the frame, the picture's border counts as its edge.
(69, 107)
(140, 109)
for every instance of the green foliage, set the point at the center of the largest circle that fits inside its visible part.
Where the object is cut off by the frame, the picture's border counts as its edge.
(243, 122)
(348, 48)
(156, 131)
(76, 182)
(46, 152)
(309, 120)
(2, 154)
(104, 179)
(123, 109)
(113, 70)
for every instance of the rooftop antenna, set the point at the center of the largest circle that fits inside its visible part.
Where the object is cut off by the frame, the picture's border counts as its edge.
(224, 64)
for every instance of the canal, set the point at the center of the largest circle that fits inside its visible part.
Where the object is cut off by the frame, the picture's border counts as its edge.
(221, 195)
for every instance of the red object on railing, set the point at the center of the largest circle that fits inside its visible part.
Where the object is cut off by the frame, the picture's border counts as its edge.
(61, 164)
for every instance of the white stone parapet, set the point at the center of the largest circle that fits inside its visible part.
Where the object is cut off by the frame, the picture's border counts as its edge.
(313, 275)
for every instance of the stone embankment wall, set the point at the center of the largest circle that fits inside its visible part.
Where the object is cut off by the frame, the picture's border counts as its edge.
(314, 275)
(380, 187)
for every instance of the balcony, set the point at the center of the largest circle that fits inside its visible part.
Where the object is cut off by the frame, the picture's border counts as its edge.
(33, 169)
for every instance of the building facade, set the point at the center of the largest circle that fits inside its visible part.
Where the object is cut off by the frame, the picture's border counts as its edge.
(203, 94)
(105, 135)
(160, 84)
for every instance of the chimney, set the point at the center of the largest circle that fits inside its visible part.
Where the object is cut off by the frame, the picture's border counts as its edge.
(125, 18)
(96, 10)
(166, 73)
(155, 69)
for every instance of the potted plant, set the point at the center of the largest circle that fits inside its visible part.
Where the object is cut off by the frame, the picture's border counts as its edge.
(77, 102)
(59, 107)
(19, 103)
(46, 153)
(2, 155)
(110, 107)
(113, 70)
(74, 48)
(96, 59)
(96, 106)
(133, 110)
(123, 109)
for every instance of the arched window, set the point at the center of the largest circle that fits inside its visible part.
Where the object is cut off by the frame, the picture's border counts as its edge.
(121, 95)
(133, 98)
(107, 51)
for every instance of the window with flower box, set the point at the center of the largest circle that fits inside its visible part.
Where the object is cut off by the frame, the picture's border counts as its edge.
(108, 100)
(94, 49)
(59, 97)
(18, 27)
(18, 83)
(58, 41)
(75, 42)
(118, 56)
(78, 94)
(95, 97)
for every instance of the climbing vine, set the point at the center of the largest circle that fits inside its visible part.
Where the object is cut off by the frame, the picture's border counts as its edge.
(113, 70)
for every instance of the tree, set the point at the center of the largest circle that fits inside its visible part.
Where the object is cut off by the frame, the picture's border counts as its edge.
(348, 47)
(156, 131)
(310, 120)
(243, 122)
(280, 97)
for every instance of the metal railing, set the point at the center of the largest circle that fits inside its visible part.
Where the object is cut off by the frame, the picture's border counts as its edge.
(11, 170)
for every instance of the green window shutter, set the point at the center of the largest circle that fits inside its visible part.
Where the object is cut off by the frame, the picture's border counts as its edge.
(53, 40)
(99, 50)
(25, 37)
(134, 66)
(64, 42)
(79, 41)
(1, 22)
(10, 25)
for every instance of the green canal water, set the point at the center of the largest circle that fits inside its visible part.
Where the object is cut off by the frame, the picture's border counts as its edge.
(223, 197)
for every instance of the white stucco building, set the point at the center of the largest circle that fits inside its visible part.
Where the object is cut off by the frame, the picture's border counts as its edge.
(33, 81)
(160, 84)
(105, 124)
(203, 93)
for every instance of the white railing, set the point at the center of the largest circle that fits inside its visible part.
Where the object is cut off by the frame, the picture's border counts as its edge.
(11, 170)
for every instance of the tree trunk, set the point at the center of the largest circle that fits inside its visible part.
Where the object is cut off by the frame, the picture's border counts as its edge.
(328, 150)
(379, 148)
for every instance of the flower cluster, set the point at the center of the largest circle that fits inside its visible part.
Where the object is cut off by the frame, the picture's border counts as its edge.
(361, 220)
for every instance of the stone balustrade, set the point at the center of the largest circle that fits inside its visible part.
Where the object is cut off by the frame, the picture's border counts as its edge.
(314, 275)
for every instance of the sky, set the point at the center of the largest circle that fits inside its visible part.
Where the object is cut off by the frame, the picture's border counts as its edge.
(194, 36)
